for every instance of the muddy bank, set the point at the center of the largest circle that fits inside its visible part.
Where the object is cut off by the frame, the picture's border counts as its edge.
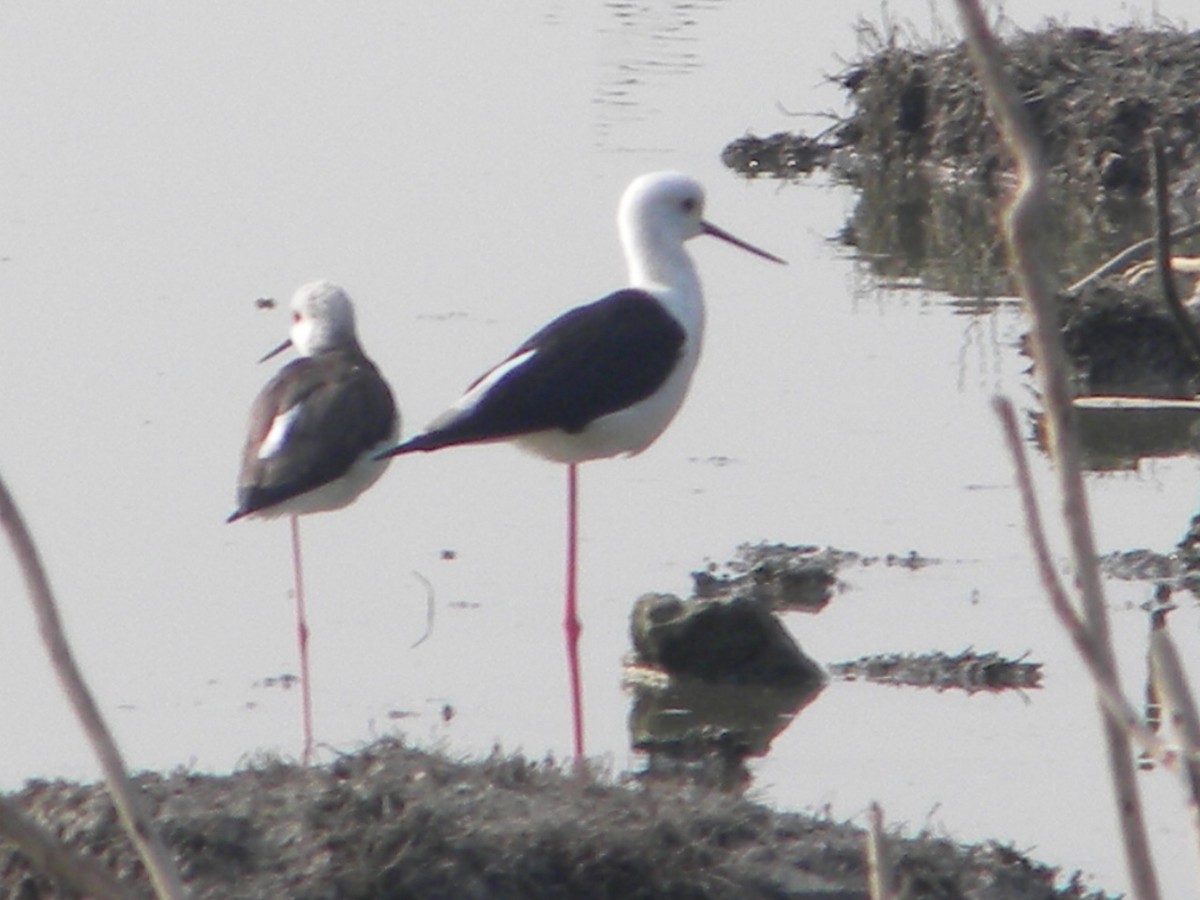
(1092, 95)
(392, 821)
(933, 175)
(917, 142)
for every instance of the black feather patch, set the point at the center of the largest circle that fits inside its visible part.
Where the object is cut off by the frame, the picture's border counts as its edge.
(591, 361)
(346, 408)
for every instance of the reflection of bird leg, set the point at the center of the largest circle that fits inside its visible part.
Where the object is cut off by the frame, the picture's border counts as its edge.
(1158, 608)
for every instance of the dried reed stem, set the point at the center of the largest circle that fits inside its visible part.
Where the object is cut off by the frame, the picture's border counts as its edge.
(1179, 708)
(125, 797)
(1132, 253)
(1022, 220)
(1162, 236)
(1109, 691)
(879, 866)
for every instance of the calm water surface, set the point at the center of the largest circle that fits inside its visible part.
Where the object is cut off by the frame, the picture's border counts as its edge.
(458, 169)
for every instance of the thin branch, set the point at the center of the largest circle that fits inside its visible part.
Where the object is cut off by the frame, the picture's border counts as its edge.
(430, 608)
(1187, 330)
(1023, 218)
(1109, 692)
(1132, 253)
(1179, 709)
(137, 825)
(47, 853)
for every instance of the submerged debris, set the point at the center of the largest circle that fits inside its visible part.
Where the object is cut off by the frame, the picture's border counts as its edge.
(1122, 340)
(968, 671)
(702, 732)
(1180, 569)
(783, 154)
(1140, 565)
(717, 676)
(1187, 555)
(1116, 433)
(780, 576)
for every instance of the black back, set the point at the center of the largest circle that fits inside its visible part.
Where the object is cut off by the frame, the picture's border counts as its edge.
(591, 361)
(346, 408)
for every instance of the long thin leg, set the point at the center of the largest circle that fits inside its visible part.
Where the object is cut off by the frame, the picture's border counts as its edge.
(302, 638)
(571, 614)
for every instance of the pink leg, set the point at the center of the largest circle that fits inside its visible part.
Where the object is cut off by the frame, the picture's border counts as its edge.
(302, 637)
(571, 615)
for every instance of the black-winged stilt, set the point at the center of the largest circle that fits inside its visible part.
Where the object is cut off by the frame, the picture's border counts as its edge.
(314, 434)
(605, 378)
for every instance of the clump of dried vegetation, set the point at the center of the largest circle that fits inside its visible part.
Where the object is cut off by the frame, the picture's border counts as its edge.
(394, 821)
(1091, 95)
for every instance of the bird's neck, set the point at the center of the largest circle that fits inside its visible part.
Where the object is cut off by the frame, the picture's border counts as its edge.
(665, 270)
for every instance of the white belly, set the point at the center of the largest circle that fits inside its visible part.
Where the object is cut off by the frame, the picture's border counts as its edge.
(336, 494)
(627, 431)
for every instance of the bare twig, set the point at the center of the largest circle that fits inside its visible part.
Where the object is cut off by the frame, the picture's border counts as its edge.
(1109, 691)
(879, 866)
(1022, 234)
(1187, 330)
(46, 853)
(158, 864)
(430, 608)
(1132, 253)
(1179, 709)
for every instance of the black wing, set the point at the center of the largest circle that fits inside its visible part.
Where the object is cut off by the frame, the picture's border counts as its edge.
(346, 408)
(589, 362)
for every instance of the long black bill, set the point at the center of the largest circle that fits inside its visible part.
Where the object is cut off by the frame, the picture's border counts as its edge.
(277, 350)
(738, 242)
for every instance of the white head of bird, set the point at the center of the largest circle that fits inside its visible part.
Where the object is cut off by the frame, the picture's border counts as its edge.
(658, 213)
(322, 319)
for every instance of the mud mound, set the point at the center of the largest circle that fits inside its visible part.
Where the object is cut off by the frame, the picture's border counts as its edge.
(1093, 96)
(392, 821)
(932, 172)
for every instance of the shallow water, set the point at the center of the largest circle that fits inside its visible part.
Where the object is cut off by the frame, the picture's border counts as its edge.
(162, 168)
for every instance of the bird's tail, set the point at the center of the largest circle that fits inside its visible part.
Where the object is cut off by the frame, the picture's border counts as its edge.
(421, 442)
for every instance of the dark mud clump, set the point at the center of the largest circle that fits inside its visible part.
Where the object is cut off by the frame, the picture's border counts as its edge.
(1187, 557)
(733, 639)
(717, 676)
(1122, 340)
(1179, 569)
(395, 822)
(779, 576)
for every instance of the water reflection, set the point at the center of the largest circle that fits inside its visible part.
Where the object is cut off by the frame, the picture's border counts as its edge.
(717, 677)
(939, 228)
(943, 230)
(1115, 433)
(699, 730)
(643, 46)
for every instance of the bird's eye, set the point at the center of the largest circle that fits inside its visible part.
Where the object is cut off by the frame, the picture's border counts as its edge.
(689, 204)
(296, 317)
